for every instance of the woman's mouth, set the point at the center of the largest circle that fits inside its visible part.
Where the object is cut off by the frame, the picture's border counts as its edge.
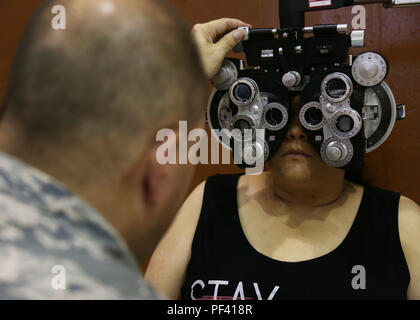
(295, 153)
(295, 156)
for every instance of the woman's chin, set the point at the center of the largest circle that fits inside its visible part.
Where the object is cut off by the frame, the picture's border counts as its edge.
(297, 174)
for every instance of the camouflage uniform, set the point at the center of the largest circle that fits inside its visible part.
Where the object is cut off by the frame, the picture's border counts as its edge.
(55, 246)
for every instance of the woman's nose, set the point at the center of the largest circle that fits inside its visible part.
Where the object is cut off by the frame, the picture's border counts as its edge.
(295, 130)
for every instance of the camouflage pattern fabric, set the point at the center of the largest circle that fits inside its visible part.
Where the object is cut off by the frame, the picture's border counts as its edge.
(55, 246)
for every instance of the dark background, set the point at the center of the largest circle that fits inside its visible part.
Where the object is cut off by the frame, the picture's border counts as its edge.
(393, 32)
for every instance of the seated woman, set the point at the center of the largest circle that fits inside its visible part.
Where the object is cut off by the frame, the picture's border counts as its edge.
(302, 230)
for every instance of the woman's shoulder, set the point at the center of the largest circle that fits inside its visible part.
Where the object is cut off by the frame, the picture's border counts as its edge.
(408, 228)
(409, 210)
(408, 232)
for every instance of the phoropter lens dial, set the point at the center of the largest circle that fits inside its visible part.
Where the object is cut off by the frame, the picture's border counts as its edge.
(345, 123)
(243, 91)
(242, 126)
(255, 151)
(275, 116)
(369, 69)
(337, 152)
(311, 116)
(336, 87)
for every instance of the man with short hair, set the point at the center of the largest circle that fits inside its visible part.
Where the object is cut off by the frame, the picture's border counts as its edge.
(81, 115)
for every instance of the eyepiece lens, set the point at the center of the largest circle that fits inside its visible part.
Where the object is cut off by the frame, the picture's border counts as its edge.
(345, 124)
(336, 88)
(274, 116)
(313, 116)
(243, 92)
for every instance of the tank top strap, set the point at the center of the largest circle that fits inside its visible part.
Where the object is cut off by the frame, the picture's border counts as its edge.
(381, 221)
(379, 212)
(220, 194)
(217, 234)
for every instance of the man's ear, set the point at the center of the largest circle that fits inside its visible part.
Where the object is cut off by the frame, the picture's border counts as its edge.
(165, 181)
(160, 178)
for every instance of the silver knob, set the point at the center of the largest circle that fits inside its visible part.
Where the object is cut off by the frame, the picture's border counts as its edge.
(341, 28)
(336, 151)
(330, 108)
(291, 79)
(368, 70)
(254, 109)
(253, 152)
(226, 76)
(357, 38)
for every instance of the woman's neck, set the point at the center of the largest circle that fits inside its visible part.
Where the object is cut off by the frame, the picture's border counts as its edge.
(311, 194)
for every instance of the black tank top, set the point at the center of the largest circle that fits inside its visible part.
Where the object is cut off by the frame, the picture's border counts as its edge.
(368, 264)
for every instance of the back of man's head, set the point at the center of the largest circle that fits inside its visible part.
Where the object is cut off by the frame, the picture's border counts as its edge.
(117, 67)
(87, 99)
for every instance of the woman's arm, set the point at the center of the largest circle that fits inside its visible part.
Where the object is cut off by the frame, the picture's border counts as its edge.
(167, 267)
(409, 229)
